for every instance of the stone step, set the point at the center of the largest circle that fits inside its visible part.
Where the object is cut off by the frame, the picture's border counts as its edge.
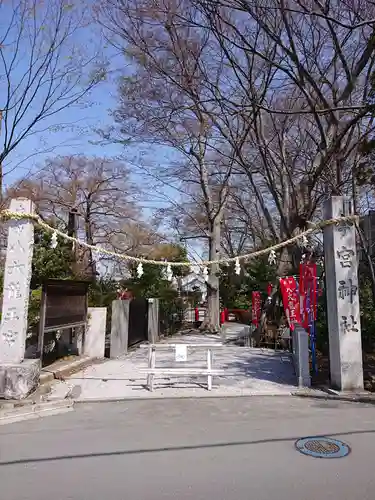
(28, 412)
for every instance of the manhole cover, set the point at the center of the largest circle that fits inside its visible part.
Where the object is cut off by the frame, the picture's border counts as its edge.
(322, 447)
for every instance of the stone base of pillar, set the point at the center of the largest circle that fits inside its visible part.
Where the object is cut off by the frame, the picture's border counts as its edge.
(18, 380)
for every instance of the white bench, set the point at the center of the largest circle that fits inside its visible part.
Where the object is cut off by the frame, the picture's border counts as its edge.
(152, 370)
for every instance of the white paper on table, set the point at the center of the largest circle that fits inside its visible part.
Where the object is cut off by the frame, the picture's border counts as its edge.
(181, 352)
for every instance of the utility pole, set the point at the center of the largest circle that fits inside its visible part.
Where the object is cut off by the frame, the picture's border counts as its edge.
(1, 164)
(72, 231)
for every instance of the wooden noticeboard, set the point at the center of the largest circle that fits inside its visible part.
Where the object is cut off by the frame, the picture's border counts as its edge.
(64, 305)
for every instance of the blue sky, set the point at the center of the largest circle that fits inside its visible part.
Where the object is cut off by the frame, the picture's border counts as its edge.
(75, 139)
(72, 130)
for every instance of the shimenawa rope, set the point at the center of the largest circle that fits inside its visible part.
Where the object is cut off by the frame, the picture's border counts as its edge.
(314, 227)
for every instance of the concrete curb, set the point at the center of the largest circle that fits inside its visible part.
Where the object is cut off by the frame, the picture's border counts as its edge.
(322, 396)
(330, 395)
(67, 369)
(152, 398)
(33, 411)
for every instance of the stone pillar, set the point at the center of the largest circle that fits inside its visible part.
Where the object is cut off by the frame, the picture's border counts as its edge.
(94, 341)
(119, 328)
(153, 321)
(340, 254)
(301, 355)
(18, 377)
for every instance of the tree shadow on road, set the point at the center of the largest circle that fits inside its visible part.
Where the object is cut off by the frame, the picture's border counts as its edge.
(24, 461)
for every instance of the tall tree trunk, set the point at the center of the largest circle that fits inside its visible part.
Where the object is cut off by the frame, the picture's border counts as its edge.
(91, 265)
(213, 296)
(290, 257)
(286, 259)
(354, 194)
(72, 231)
(1, 185)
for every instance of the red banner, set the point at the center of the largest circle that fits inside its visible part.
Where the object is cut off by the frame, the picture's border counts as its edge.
(314, 289)
(290, 297)
(308, 286)
(302, 292)
(256, 307)
(269, 289)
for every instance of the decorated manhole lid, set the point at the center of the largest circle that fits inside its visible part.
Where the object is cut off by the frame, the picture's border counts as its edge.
(322, 447)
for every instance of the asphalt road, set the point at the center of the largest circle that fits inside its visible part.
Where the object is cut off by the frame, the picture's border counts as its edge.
(221, 449)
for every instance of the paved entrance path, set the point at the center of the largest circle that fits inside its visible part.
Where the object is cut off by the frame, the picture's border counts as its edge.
(189, 449)
(250, 371)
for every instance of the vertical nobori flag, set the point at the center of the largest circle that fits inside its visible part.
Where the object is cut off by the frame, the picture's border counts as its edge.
(256, 303)
(308, 293)
(290, 297)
